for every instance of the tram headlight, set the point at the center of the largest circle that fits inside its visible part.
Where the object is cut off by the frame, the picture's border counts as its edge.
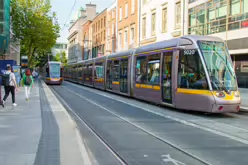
(220, 94)
(236, 94)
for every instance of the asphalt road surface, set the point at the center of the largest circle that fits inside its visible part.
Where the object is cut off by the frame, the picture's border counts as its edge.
(119, 130)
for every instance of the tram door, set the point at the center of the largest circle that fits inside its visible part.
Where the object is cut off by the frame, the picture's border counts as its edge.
(166, 79)
(123, 75)
(109, 75)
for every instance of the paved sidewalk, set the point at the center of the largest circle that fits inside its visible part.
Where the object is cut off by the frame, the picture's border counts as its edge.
(39, 131)
(244, 98)
(20, 129)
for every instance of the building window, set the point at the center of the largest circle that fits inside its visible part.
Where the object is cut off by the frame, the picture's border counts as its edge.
(126, 10)
(125, 39)
(96, 27)
(108, 32)
(144, 27)
(178, 15)
(104, 21)
(104, 34)
(153, 24)
(120, 13)
(133, 6)
(113, 28)
(164, 20)
(120, 40)
(132, 35)
(211, 17)
(101, 23)
(235, 7)
(113, 14)
(245, 6)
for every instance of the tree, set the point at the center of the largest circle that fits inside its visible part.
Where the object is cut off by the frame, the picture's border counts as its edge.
(35, 27)
(64, 58)
(61, 57)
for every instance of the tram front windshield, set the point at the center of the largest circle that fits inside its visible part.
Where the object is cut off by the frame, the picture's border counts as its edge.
(54, 70)
(219, 65)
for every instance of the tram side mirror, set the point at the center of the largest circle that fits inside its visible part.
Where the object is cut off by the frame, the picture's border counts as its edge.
(47, 70)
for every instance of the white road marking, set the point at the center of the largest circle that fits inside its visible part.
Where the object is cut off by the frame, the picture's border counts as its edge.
(168, 158)
(241, 140)
(139, 127)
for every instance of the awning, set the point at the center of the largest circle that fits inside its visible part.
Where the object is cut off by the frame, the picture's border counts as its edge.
(238, 51)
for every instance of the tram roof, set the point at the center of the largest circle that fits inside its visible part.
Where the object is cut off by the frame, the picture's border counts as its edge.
(119, 54)
(174, 43)
(157, 45)
(202, 38)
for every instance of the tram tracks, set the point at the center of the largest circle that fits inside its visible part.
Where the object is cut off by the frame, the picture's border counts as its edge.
(117, 155)
(206, 123)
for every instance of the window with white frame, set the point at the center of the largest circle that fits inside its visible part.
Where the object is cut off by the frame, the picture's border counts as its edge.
(126, 10)
(120, 13)
(178, 15)
(113, 28)
(153, 32)
(113, 14)
(164, 20)
(108, 34)
(132, 35)
(120, 40)
(125, 38)
(144, 27)
(133, 6)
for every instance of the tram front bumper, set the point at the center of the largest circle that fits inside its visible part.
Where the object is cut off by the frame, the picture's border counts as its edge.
(221, 108)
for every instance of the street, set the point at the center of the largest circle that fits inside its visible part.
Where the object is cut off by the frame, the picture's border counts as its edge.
(72, 124)
(139, 133)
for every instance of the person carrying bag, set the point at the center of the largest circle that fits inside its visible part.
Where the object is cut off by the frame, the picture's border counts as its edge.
(27, 82)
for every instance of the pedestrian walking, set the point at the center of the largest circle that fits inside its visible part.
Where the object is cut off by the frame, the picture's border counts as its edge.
(27, 82)
(10, 85)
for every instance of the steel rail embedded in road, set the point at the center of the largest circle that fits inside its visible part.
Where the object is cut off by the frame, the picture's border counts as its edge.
(136, 126)
(108, 146)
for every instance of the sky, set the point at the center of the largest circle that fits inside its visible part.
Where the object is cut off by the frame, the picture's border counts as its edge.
(63, 9)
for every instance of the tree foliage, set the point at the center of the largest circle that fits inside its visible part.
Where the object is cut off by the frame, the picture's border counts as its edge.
(35, 27)
(61, 57)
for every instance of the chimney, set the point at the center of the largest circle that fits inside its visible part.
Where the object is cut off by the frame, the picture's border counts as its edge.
(82, 12)
(91, 11)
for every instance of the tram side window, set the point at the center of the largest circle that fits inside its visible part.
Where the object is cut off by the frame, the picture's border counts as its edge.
(116, 70)
(80, 71)
(148, 69)
(99, 70)
(141, 70)
(90, 72)
(191, 73)
(153, 69)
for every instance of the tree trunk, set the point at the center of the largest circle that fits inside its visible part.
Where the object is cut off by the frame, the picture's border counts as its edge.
(29, 54)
